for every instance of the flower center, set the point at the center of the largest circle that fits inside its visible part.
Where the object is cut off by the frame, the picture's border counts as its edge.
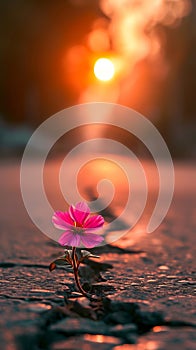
(77, 229)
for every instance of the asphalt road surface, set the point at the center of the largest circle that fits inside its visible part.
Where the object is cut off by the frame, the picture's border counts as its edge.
(152, 273)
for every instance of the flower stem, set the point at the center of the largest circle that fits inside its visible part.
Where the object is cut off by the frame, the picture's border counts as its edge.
(75, 270)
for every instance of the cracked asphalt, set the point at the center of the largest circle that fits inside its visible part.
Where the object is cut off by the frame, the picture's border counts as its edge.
(152, 272)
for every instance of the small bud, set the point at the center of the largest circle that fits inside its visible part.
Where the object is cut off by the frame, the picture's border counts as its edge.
(52, 266)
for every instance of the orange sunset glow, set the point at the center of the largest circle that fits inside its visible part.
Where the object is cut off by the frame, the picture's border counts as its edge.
(104, 69)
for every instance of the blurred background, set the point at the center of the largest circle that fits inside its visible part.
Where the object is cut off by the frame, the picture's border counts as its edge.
(50, 59)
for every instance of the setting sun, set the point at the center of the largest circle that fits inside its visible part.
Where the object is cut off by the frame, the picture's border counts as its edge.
(104, 69)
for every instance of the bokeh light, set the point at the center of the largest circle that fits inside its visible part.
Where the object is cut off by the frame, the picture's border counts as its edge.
(104, 69)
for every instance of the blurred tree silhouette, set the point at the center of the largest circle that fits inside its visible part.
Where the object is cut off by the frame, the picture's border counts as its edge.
(34, 37)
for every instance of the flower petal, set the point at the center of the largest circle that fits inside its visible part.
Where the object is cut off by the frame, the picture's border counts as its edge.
(69, 238)
(94, 221)
(90, 240)
(62, 220)
(79, 213)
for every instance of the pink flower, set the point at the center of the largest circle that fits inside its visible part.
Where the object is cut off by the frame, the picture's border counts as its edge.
(79, 226)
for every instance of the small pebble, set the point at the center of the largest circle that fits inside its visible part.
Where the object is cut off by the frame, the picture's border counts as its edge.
(163, 267)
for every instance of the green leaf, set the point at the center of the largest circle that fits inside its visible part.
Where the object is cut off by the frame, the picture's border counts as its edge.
(85, 254)
(60, 262)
